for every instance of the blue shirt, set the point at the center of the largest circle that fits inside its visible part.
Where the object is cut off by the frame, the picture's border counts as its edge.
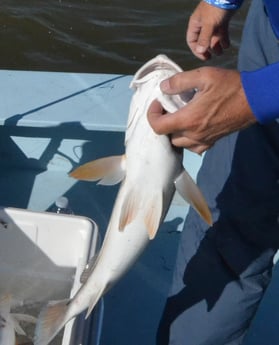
(226, 4)
(263, 100)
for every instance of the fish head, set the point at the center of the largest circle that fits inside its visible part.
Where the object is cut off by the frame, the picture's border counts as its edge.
(152, 73)
(146, 85)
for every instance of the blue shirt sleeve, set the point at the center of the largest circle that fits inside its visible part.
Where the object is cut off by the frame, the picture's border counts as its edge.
(226, 4)
(262, 91)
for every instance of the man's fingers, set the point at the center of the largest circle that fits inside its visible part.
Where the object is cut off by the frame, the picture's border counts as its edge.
(193, 31)
(188, 143)
(156, 118)
(204, 40)
(166, 123)
(217, 49)
(192, 37)
(161, 122)
(181, 82)
(225, 43)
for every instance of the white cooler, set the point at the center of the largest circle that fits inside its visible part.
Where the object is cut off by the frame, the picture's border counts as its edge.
(42, 255)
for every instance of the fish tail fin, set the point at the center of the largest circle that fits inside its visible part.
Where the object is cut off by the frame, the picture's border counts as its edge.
(51, 320)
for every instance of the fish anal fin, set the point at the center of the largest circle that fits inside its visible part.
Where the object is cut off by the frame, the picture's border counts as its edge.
(110, 170)
(94, 301)
(187, 188)
(129, 210)
(153, 215)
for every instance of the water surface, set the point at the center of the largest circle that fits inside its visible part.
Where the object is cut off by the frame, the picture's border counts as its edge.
(99, 36)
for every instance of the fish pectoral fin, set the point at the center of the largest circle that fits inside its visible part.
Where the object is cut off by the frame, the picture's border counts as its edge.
(187, 188)
(109, 170)
(129, 209)
(153, 215)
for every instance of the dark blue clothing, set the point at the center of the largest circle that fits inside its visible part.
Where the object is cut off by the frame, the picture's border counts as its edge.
(262, 91)
(261, 86)
(222, 272)
(272, 8)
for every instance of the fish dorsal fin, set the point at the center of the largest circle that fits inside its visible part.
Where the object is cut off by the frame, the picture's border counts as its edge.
(153, 215)
(129, 209)
(187, 188)
(109, 170)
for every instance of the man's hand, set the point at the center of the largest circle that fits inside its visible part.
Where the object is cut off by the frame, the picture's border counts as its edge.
(218, 108)
(207, 31)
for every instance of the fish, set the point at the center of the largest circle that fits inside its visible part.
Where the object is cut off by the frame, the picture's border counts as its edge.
(149, 171)
(10, 322)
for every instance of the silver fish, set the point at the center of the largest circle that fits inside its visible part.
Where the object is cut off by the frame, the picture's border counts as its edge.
(10, 322)
(150, 170)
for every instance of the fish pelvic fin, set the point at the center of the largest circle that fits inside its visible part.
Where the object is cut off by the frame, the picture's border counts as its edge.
(51, 320)
(153, 215)
(187, 188)
(107, 170)
(129, 209)
(152, 211)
